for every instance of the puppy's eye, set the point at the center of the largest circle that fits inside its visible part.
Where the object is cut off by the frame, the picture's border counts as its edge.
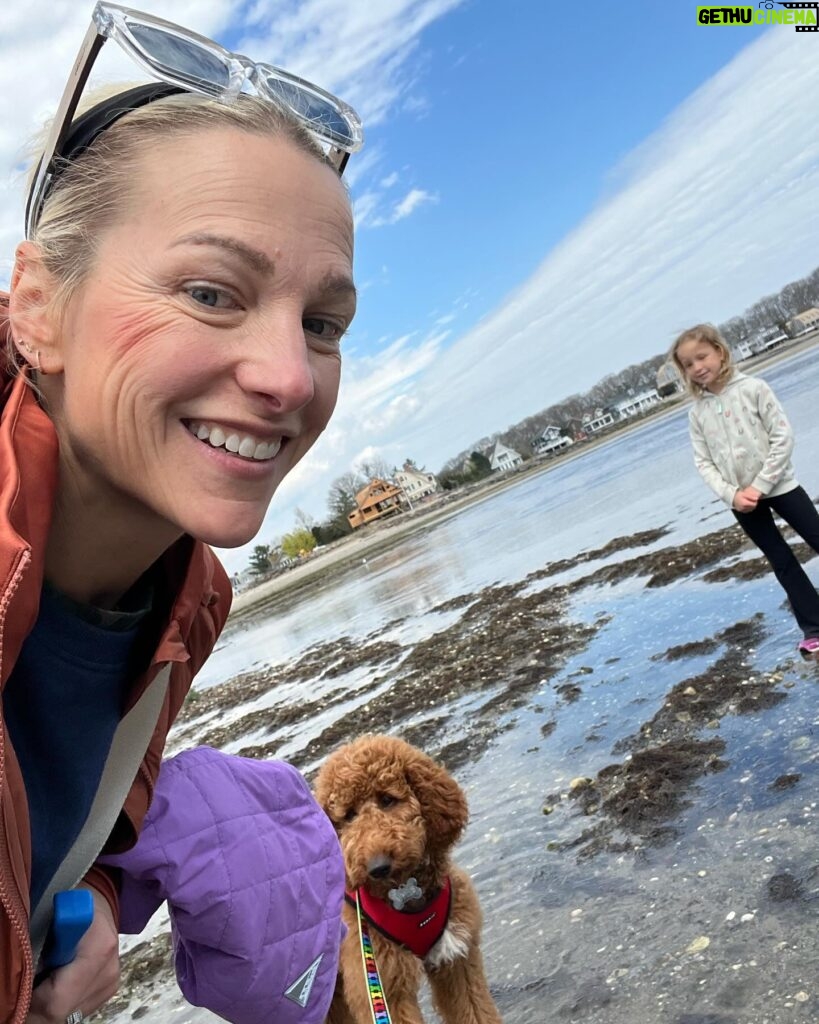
(385, 800)
(351, 813)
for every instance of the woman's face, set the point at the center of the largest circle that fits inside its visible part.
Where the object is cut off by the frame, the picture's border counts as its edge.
(200, 359)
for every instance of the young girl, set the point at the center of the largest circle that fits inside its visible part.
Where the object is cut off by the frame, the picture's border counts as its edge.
(742, 448)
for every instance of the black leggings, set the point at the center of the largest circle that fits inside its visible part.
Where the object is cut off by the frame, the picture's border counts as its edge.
(798, 511)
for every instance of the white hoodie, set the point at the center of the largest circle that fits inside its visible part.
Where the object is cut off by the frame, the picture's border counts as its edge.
(742, 438)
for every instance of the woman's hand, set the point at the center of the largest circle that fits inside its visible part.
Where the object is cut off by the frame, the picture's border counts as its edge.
(89, 980)
(746, 499)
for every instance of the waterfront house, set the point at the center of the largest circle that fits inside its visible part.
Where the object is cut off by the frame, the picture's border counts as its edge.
(378, 499)
(763, 340)
(414, 482)
(597, 420)
(634, 405)
(741, 350)
(551, 440)
(503, 458)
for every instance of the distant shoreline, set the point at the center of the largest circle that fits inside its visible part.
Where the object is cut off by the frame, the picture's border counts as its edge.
(339, 557)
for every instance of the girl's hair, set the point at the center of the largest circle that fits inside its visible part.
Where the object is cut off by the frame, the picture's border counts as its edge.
(94, 188)
(709, 334)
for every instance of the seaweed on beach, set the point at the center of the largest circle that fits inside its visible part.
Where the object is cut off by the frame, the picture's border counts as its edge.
(667, 565)
(652, 785)
(508, 640)
(325, 661)
(506, 645)
(635, 540)
(642, 794)
(754, 568)
(689, 650)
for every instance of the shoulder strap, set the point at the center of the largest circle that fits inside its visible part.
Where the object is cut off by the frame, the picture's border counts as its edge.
(128, 748)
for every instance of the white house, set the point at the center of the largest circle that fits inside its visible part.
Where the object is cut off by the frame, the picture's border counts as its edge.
(635, 404)
(762, 341)
(415, 483)
(550, 441)
(742, 350)
(504, 458)
(599, 420)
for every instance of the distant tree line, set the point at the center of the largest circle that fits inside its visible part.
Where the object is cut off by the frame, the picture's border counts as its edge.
(467, 469)
(774, 310)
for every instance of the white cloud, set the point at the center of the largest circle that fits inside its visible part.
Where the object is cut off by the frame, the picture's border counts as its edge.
(365, 207)
(364, 50)
(418, 106)
(411, 201)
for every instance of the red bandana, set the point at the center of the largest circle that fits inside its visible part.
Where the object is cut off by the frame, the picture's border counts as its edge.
(419, 930)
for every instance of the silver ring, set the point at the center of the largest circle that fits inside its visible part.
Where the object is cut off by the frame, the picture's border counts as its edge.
(75, 1017)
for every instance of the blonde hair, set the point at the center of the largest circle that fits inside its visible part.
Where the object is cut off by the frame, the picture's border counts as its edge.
(93, 189)
(709, 334)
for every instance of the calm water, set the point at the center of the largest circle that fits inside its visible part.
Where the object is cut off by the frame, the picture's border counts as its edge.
(606, 939)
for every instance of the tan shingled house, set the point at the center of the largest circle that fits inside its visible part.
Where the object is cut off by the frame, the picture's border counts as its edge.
(378, 499)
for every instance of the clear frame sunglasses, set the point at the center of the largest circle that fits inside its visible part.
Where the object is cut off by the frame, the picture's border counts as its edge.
(183, 62)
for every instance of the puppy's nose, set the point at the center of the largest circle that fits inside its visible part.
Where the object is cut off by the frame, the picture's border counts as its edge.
(379, 866)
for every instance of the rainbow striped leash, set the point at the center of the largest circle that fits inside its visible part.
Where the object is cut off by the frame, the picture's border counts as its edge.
(375, 990)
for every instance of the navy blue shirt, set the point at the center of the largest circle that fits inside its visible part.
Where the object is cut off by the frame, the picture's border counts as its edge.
(62, 704)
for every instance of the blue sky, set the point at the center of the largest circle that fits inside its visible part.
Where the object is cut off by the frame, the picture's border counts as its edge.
(525, 118)
(547, 193)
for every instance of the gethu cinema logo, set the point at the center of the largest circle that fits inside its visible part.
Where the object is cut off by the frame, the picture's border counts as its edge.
(763, 14)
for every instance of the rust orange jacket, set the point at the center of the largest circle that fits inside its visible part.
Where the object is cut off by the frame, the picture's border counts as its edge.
(199, 597)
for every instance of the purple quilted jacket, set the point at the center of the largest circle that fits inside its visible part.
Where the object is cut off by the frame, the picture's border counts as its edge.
(254, 880)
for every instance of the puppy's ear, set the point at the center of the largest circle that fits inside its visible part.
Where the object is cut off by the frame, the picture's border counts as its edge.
(333, 790)
(323, 788)
(442, 800)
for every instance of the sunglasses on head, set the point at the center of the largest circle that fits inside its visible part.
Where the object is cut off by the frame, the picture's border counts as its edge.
(182, 61)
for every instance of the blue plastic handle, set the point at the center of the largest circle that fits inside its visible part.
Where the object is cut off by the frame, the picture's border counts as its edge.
(73, 914)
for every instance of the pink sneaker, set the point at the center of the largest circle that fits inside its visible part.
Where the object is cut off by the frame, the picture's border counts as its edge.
(809, 647)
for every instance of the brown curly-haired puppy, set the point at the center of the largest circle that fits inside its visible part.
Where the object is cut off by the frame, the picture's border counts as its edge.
(398, 814)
